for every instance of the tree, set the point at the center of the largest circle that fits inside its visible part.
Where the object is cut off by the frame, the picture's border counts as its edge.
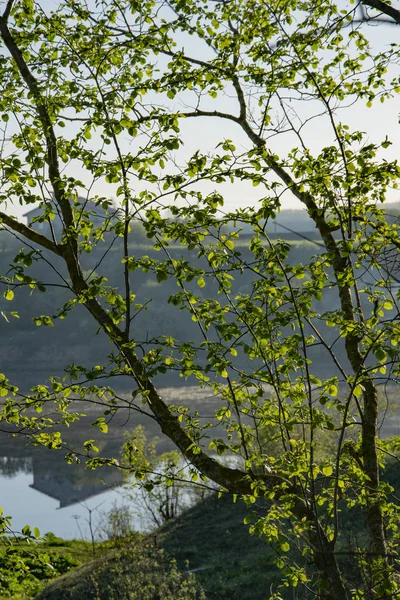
(165, 493)
(82, 80)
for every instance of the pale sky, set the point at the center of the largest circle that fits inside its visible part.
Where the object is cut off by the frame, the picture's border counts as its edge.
(379, 121)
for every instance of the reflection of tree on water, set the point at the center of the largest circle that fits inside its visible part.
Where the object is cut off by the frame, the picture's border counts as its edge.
(12, 465)
(69, 483)
(51, 473)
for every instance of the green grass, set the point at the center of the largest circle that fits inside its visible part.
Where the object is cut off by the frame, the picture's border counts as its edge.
(25, 568)
(134, 570)
(210, 539)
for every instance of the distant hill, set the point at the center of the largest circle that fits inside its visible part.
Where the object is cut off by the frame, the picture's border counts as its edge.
(291, 221)
(392, 210)
(288, 224)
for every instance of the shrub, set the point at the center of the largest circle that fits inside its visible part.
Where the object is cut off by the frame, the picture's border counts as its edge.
(138, 571)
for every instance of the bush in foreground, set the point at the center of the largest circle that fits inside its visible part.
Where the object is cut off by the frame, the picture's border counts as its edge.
(138, 571)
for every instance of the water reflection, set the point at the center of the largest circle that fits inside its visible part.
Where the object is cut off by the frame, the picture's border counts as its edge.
(12, 465)
(36, 482)
(27, 506)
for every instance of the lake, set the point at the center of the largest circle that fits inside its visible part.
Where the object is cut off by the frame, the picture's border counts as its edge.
(41, 490)
(30, 507)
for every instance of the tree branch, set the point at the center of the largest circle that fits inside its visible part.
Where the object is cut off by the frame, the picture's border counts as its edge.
(47, 127)
(229, 478)
(7, 10)
(30, 234)
(384, 8)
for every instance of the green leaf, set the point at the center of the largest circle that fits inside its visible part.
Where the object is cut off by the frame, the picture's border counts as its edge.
(380, 354)
(8, 295)
(280, 563)
(327, 471)
(161, 275)
(285, 547)
(332, 390)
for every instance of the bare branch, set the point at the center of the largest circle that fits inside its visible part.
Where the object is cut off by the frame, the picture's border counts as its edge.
(8, 9)
(384, 8)
(47, 127)
(29, 233)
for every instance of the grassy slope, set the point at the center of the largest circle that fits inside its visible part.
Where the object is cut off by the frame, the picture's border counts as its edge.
(136, 570)
(229, 563)
(212, 535)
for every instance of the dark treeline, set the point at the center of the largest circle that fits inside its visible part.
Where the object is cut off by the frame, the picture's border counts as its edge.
(29, 353)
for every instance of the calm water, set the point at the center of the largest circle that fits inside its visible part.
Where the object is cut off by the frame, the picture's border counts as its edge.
(28, 506)
(38, 488)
